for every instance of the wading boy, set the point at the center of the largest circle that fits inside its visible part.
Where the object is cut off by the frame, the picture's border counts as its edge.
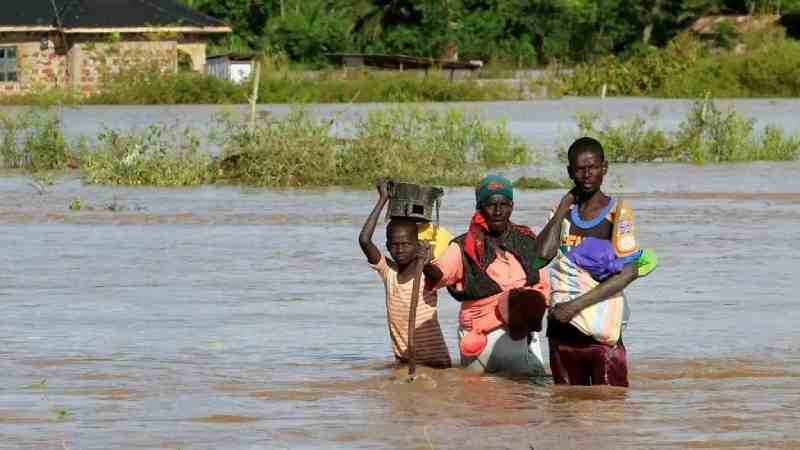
(584, 328)
(398, 277)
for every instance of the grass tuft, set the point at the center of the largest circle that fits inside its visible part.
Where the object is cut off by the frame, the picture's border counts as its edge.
(538, 183)
(289, 152)
(406, 143)
(159, 156)
(707, 134)
(33, 140)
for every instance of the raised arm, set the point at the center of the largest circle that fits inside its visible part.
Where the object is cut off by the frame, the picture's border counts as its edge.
(564, 312)
(365, 237)
(548, 239)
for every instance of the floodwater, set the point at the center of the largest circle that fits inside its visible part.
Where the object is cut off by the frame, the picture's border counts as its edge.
(235, 318)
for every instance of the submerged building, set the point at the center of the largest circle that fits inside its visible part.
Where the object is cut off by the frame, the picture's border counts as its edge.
(75, 43)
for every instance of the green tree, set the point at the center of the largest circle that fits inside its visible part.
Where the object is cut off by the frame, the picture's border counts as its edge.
(374, 17)
(246, 17)
(659, 18)
(308, 31)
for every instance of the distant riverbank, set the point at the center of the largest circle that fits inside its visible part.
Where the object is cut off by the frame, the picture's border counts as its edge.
(766, 67)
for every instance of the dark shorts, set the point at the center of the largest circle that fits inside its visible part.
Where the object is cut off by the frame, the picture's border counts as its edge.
(588, 364)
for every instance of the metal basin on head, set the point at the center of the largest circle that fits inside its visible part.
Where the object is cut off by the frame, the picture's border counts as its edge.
(413, 201)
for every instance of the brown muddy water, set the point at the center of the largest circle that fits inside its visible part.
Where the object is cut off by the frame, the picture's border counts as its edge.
(230, 318)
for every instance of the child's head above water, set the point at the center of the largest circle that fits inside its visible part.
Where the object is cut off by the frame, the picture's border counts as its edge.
(402, 241)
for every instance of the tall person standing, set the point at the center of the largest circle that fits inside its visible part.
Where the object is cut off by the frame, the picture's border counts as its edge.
(590, 269)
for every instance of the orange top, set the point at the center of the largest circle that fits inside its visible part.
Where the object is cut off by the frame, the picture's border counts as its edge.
(483, 315)
(505, 270)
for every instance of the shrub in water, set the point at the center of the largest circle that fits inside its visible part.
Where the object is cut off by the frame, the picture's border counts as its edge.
(630, 141)
(706, 135)
(709, 134)
(426, 146)
(404, 143)
(159, 156)
(407, 144)
(298, 150)
(294, 151)
(775, 147)
(33, 140)
(539, 183)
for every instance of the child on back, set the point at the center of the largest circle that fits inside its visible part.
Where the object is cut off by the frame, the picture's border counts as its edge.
(398, 278)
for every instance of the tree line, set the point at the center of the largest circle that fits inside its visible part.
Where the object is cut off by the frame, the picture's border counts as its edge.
(507, 33)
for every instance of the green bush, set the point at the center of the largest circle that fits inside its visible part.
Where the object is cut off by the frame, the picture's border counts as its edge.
(630, 141)
(706, 135)
(776, 147)
(411, 145)
(404, 143)
(643, 74)
(370, 87)
(308, 32)
(298, 150)
(766, 68)
(771, 71)
(767, 71)
(707, 76)
(33, 140)
(426, 146)
(539, 183)
(725, 35)
(147, 85)
(43, 96)
(294, 151)
(159, 156)
(711, 135)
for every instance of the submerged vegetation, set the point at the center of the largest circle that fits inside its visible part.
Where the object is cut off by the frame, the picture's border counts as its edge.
(159, 156)
(447, 147)
(294, 151)
(408, 143)
(427, 146)
(32, 139)
(540, 183)
(707, 134)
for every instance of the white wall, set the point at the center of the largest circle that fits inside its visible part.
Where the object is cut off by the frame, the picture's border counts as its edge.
(240, 71)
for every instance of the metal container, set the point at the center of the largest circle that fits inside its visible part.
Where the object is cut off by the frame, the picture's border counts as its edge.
(413, 201)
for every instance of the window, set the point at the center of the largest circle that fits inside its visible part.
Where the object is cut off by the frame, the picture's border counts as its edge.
(8, 64)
